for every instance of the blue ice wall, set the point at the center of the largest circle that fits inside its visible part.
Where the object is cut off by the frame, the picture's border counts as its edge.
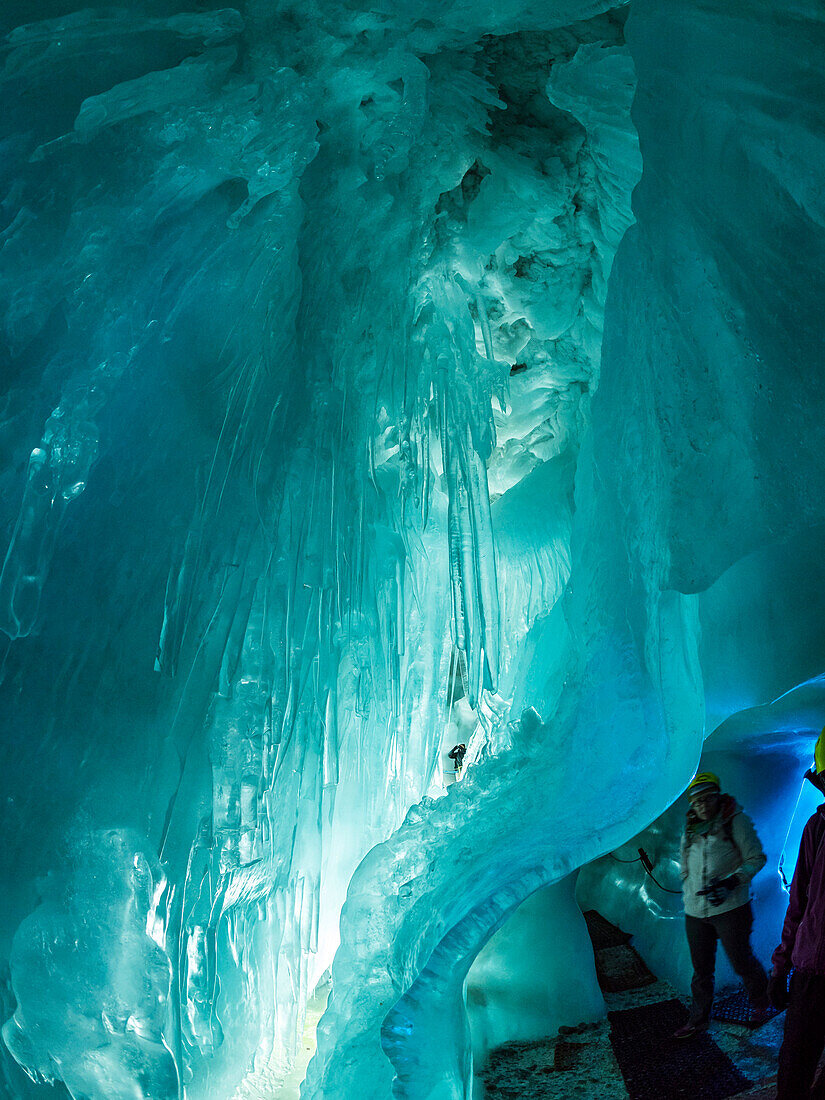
(329, 425)
(295, 296)
(721, 347)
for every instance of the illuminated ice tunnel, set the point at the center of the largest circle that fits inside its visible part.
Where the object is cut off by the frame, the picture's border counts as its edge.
(379, 378)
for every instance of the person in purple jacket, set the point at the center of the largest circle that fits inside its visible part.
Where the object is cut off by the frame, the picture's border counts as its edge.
(803, 948)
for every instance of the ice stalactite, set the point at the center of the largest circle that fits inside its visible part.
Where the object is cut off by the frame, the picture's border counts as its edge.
(462, 384)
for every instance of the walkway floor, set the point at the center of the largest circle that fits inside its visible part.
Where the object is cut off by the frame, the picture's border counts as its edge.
(580, 1063)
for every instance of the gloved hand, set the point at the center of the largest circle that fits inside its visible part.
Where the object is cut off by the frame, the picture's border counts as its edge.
(719, 889)
(778, 989)
(730, 883)
(714, 893)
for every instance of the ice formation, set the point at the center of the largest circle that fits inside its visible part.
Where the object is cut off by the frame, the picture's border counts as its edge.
(354, 404)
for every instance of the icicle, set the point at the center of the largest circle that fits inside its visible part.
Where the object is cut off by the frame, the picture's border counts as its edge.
(179, 586)
(331, 739)
(484, 564)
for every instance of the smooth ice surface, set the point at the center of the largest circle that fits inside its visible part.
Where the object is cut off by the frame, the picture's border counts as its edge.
(522, 985)
(354, 401)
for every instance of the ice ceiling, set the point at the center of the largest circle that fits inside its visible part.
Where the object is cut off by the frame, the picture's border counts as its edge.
(350, 410)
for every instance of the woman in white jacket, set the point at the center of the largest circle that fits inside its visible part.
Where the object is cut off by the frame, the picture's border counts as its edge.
(720, 854)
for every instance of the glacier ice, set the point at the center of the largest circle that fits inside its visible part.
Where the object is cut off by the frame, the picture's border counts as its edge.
(375, 379)
(516, 990)
(88, 950)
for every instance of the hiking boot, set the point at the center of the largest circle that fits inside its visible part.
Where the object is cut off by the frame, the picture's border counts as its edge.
(688, 1030)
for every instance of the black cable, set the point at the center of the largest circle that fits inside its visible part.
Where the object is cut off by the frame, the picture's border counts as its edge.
(663, 888)
(644, 859)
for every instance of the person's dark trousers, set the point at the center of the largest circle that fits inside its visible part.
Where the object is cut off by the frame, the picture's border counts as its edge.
(733, 929)
(804, 1036)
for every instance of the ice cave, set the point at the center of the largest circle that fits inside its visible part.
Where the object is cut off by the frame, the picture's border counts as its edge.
(380, 377)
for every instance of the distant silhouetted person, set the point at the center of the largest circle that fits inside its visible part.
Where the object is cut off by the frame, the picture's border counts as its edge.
(803, 948)
(457, 754)
(720, 855)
